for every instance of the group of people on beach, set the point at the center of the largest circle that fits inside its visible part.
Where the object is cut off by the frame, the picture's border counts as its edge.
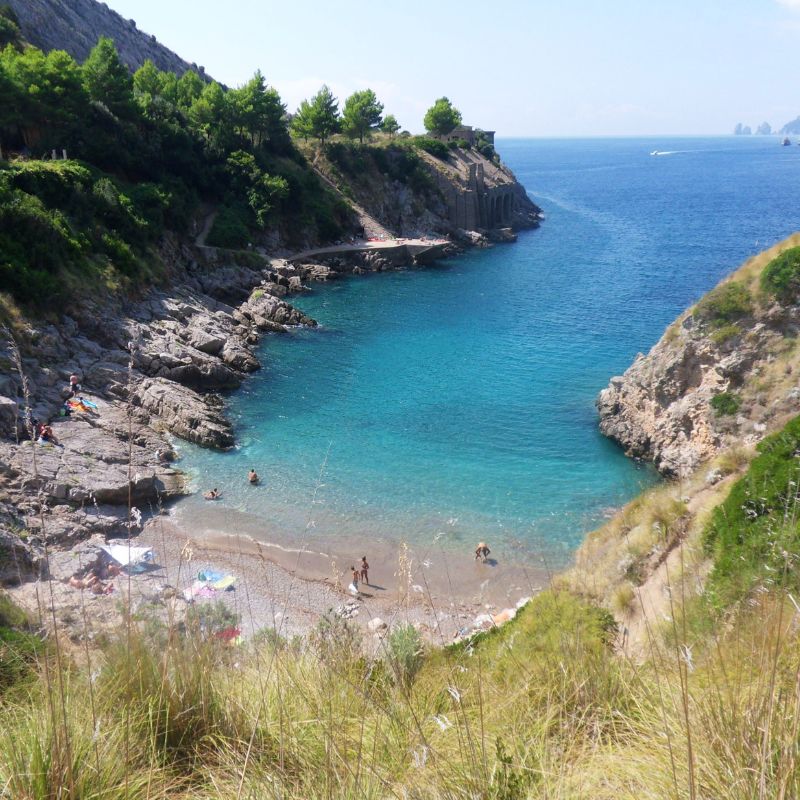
(362, 574)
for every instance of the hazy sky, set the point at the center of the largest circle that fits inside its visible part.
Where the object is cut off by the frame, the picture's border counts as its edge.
(539, 68)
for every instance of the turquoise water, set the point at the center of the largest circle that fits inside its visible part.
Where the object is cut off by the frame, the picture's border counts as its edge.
(460, 398)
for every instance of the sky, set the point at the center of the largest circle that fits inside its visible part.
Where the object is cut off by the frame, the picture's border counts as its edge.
(522, 68)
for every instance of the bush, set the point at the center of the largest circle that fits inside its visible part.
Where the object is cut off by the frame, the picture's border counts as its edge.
(725, 333)
(336, 640)
(781, 277)
(433, 146)
(120, 254)
(404, 653)
(726, 404)
(229, 229)
(754, 535)
(19, 647)
(725, 304)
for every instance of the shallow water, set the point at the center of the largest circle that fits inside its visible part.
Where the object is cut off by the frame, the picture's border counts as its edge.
(458, 401)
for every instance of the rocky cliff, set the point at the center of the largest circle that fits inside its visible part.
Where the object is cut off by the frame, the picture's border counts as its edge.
(725, 373)
(405, 191)
(76, 25)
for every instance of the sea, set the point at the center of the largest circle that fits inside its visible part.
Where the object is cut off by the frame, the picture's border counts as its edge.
(456, 403)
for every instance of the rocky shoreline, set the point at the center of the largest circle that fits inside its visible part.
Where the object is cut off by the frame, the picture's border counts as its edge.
(151, 369)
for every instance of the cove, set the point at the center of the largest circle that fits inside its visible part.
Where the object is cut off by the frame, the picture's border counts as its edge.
(456, 402)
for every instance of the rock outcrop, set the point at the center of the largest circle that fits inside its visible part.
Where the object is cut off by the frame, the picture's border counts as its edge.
(76, 25)
(663, 408)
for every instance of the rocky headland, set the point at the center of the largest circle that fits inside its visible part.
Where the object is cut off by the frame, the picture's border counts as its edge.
(723, 374)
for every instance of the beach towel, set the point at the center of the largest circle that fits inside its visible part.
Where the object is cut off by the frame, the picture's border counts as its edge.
(199, 589)
(128, 556)
(87, 403)
(210, 576)
(224, 583)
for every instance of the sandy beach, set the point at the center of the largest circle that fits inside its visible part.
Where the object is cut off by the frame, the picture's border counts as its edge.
(289, 589)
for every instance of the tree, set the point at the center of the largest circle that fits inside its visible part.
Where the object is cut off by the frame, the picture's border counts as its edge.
(107, 79)
(302, 124)
(257, 113)
(390, 125)
(9, 27)
(190, 87)
(209, 116)
(442, 117)
(324, 114)
(361, 114)
(50, 96)
(262, 190)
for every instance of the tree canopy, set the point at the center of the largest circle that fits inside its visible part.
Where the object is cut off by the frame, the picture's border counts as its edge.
(148, 147)
(390, 125)
(317, 117)
(361, 114)
(107, 79)
(442, 117)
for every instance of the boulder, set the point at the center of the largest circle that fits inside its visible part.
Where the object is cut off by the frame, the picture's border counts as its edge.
(376, 624)
(9, 414)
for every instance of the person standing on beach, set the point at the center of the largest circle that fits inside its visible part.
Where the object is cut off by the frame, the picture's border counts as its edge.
(364, 571)
(355, 578)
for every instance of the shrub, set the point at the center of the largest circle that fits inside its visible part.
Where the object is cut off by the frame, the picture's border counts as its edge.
(781, 277)
(404, 653)
(726, 332)
(229, 229)
(725, 304)
(622, 601)
(19, 647)
(120, 253)
(335, 639)
(433, 146)
(726, 404)
(753, 535)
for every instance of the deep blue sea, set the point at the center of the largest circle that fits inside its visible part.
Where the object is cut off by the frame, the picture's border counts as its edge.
(459, 399)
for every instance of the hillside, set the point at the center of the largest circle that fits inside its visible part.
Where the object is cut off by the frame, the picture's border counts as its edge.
(714, 404)
(76, 25)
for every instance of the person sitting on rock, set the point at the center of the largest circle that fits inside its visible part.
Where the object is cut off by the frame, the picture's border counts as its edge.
(46, 435)
(213, 494)
(74, 386)
(252, 476)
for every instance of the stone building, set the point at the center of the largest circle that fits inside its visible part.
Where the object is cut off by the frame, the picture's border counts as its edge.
(468, 134)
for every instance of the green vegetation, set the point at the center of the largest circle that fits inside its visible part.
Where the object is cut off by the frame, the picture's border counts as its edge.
(20, 648)
(754, 535)
(726, 404)
(725, 304)
(361, 115)
(442, 117)
(145, 149)
(725, 334)
(318, 117)
(781, 277)
(435, 147)
(390, 125)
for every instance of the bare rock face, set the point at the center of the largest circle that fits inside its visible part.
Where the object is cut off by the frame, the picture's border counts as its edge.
(76, 25)
(661, 408)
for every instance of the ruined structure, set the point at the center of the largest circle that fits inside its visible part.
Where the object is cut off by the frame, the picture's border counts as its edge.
(482, 195)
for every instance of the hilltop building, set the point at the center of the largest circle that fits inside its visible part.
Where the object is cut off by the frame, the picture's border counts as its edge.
(468, 134)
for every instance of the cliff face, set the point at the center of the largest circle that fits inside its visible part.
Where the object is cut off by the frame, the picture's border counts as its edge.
(405, 191)
(76, 25)
(706, 386)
